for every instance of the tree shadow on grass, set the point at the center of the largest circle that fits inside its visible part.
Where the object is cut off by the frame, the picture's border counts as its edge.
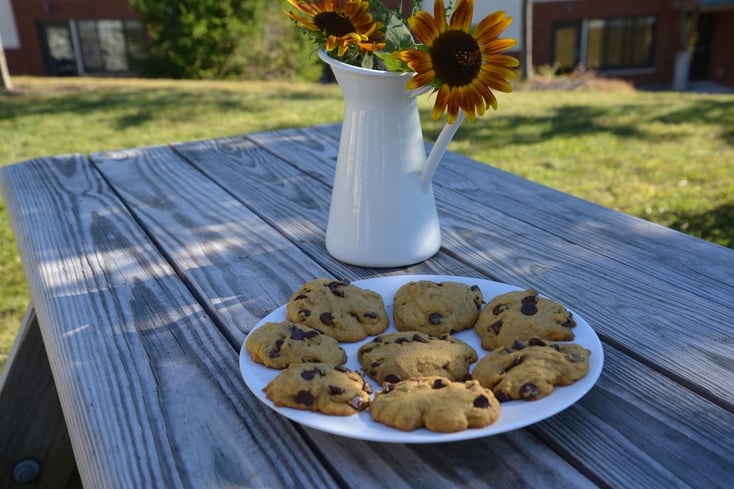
(132, 108)
(624, 121)
(716, 225)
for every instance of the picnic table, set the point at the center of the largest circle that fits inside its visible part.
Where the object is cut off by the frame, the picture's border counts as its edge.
(148, 267)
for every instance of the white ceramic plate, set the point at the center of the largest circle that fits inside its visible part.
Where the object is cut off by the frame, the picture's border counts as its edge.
(513, 414)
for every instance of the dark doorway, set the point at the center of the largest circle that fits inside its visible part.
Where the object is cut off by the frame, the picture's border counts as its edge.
(702, 48)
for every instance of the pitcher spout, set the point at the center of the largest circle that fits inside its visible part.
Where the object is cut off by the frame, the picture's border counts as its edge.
(439, 149)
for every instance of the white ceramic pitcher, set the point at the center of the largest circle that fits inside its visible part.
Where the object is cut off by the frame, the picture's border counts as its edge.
(382, 212)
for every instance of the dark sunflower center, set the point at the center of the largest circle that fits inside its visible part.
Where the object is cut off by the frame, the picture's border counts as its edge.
(334, 23)
(456, 58)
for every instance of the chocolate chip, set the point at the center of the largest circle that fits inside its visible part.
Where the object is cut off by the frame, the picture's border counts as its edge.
(498, 309)
(341, 368)
(296, 333)
(392, 378)
(375, 364)
(401, 340)
(300, 297)
(475, 288)
(304, 313)
(570, 323)
(575, 357)
(335, 390)
(326, 318)
(370, 315)
(536, 342)
(310, 374)
(435, 318)
(311, 334)
(502, 397)
(334, 288)
(366, 351)
(357, 402)
(419, 338)
(481, 402)
(305, 398)
(529, 306)
(497, 326)
(529, 391)
(518, 345)
(388, 387)
(438, 384)
(273, 353)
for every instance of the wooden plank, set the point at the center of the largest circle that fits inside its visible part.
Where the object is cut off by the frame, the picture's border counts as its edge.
(294, 142)
(149, 386)
(32, 427)
(251, 178)
(222, 242)
(501, 238)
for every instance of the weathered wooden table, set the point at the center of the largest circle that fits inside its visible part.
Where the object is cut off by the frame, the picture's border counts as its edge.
(147, 267)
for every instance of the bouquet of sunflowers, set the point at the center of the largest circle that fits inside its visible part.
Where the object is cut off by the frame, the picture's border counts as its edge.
(462, 62)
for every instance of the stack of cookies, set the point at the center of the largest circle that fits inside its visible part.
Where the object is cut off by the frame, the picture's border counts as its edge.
(424, 374)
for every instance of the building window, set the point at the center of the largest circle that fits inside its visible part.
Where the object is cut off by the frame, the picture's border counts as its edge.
(624, 43)
(97, 46)
(605, 44)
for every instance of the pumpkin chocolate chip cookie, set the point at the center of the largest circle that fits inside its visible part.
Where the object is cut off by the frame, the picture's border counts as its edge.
(313, 386)
(521, 315)
(436, 403)
(393, 357)
(278, 345)
(339, 309)
(530, 371)
(436, 308)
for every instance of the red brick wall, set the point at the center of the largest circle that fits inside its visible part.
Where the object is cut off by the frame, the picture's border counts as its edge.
(721, 61)
(28, 60)
(666, 36)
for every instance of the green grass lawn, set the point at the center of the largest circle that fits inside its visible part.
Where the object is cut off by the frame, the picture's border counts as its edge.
(666, 157)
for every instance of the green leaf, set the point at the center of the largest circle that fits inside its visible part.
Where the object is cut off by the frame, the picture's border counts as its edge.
(398, 35)
(392, 64)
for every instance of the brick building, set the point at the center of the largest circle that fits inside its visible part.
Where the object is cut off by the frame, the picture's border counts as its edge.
(70, 37)
(644, 41)
(660, 43)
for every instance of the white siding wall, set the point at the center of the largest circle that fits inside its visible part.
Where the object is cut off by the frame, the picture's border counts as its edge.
(8, 32)
(482, 8)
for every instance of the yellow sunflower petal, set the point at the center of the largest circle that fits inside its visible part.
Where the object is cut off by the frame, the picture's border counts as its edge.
(461, 18)
(499, 45)
(501, 60)
(439, 105)
(492, 25)
(424, 28)
(439, 14)
(421, 80)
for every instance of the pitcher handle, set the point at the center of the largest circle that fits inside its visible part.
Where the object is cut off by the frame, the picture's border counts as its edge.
(439, 148)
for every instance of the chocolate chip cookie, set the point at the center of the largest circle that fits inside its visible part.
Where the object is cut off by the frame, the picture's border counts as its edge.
(522, 315)
(278, 345)
(339, 309)
(530, 370)
(393, 357)
(435, 403)
(436, 308)
(320, 387)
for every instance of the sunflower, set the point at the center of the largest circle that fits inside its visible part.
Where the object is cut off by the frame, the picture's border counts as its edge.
(344, 24)
(462, 63)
